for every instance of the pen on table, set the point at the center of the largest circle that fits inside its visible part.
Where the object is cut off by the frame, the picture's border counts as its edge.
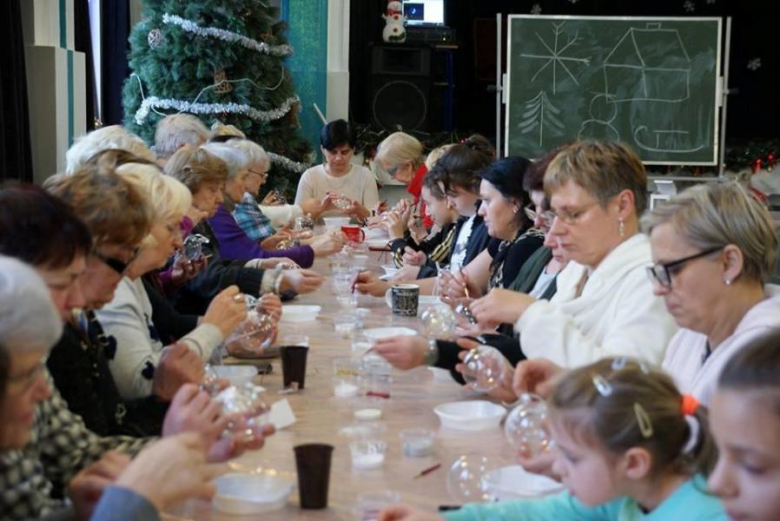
(427, 471)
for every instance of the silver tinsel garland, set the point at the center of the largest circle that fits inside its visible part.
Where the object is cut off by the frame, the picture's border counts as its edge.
(153, 102)
(228, 36)
(287, 164)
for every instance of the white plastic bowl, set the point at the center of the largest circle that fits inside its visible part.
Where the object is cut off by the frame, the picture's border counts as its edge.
(472, 415)
(245, 494)
(336, 222)
(514, 482)
(236, 374)
(298, 313)
(387, 332)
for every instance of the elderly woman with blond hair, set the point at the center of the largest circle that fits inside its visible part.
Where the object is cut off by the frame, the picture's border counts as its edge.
(401, 155)
(128, 318)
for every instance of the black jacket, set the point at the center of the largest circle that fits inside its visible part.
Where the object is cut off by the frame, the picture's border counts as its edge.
(79, 366)
(478, 241)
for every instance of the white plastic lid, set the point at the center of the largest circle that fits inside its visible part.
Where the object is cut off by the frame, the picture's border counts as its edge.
(368, 414)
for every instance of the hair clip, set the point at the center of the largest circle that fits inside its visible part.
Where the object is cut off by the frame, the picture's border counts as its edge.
(694, 430)
(643, 419)
(602, 385)
(644, 367)
(619, 363)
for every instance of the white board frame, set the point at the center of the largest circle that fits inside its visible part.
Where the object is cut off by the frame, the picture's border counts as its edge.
(721, 87)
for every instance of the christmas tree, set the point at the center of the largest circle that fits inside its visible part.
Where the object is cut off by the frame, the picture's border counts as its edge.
(221, 60)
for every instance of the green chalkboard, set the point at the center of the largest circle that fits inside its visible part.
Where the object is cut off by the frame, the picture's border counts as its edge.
(650, 82)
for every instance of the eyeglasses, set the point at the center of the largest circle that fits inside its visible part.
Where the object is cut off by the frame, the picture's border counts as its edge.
(393, 170)
(547, 217)
(26, 380)
(662, 273)
(115, 264)
(571, 217)
(261, 174)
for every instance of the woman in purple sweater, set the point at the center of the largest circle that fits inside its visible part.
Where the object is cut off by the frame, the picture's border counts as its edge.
(233, 242)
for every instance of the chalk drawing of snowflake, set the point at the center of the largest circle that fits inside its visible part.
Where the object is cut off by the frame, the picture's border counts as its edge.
(536, 9)
(556, 57)
(689, 6)
(754, 64)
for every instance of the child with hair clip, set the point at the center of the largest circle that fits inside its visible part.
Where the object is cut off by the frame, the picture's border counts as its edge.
(628, 447)
(745, 419)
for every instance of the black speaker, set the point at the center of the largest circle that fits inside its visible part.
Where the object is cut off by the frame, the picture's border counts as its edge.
(400, 87)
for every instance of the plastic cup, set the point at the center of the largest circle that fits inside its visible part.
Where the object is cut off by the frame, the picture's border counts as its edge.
(417, 443)
(369, 504)
(312, 462)
(294, 365)
(367, 454)
(347, 376)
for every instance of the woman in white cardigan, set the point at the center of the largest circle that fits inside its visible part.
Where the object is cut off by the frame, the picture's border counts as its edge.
(604, 305)
(714, 251)
(127, 320)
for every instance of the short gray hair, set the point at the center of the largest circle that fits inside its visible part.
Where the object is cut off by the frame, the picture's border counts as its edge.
(235, 159)
(28, 319)
(106, 138)
(713, 215)
(177, 130)
(254, 153)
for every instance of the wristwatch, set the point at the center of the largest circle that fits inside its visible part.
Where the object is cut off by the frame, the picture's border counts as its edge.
(432, 354)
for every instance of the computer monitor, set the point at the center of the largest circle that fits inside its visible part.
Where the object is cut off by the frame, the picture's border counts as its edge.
(424, 12)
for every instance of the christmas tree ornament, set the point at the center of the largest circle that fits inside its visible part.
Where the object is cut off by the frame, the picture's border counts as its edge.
(525, 427)
(155, 38)
(394, 31)
(484, 368)
(439, 322)
(221, 85)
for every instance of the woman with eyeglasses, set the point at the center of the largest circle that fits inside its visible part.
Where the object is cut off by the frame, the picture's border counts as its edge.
(604, 305)
(251, 218)
(713, 252)
(401, 155)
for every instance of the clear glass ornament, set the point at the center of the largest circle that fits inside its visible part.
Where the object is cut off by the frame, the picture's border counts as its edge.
(484, 368)
(251, 336)
(526, 426)
(342, 203)
(439, 322)
(466, 478)
(193, 246)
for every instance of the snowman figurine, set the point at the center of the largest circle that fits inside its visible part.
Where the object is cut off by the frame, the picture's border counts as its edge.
(394, 31)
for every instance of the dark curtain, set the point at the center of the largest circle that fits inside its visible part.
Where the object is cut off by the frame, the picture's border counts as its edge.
(115, 24)
(83, 43)
(15, 154)
(365, 28)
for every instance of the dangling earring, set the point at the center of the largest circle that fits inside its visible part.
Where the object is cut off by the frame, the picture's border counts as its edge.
(515, 209)
(621, 229)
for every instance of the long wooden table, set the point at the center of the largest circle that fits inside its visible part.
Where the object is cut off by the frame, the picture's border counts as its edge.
(321, 415)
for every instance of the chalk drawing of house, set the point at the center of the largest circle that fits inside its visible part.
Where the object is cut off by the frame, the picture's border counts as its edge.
(649, 64)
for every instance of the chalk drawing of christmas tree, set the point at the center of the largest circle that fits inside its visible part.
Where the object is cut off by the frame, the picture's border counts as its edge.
(539, 114)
